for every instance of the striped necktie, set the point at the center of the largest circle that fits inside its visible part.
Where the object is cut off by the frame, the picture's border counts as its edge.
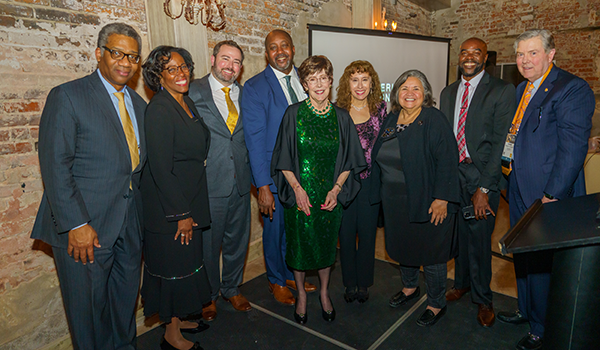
(462, 118)
(291, 91)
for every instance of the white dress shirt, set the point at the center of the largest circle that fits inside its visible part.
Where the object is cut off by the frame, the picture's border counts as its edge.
(459, 94)
(219, 96)
(294, 82)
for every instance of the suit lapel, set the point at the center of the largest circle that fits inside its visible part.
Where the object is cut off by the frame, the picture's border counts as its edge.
(238, 125)
(207, 98)
(452, 101)
(476, 101)
(539, 97)
(275, 86)
(139, 105)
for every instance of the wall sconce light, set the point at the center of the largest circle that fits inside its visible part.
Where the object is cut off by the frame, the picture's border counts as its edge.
(385, 24)
(394, 24)
(211, 13)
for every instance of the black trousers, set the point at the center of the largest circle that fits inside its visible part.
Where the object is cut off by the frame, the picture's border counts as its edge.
(360, 218)
(473, 265)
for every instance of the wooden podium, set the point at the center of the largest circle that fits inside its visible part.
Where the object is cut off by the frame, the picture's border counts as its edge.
(571, 229)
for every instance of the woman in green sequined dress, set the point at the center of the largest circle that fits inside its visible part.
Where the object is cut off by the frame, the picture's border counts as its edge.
(316, 157)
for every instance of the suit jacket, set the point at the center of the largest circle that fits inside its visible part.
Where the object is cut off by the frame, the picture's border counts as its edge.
(490, 113)
(429, 158)
(227, 164)
(552, 141)
(85, 163)
(173, 181)
(263, 106)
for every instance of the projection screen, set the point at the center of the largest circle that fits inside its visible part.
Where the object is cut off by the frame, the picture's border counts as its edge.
(390, 53)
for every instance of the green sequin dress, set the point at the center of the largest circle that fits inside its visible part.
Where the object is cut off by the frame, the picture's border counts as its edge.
(312, 240)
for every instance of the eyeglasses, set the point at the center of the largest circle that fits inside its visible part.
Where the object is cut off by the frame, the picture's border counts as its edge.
(324, 79)
(175, 69)
(118, 55)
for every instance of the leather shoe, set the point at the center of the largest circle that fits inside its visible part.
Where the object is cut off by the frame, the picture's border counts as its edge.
(201, 327)
(485, 315)
(209, 312)
(350, 294)
(454, 294)
(282, 294)
(363, 295)
(308, 287)
(165, 345)
(239, 302)
(328, 316)
(428, 318)
(300, 318)
(529, 342)
(400, 298)
(512, 317)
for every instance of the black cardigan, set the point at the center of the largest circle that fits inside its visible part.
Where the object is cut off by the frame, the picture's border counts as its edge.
(350, 156)
(429, 156)
(173, 181)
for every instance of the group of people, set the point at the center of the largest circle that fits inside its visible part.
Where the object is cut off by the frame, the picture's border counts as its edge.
(171, 181)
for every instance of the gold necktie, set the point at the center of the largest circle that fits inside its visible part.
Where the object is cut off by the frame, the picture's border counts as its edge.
(129, 131)
(233, 113)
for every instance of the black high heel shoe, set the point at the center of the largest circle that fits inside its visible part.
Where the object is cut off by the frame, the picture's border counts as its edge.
(328, 316)
(350, 294)
(362, 295)
(300, 318)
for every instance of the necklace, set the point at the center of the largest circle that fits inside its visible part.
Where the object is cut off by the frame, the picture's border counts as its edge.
(321, 113)
(359, 108)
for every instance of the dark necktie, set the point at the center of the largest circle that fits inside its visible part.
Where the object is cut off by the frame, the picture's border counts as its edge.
(293, 96)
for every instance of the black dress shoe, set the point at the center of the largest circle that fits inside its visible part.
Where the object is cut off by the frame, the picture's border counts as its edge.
(362, 295)
(300, 318)
(164, 345)
(511, 317)
(328, 316)
(200, 328)
(400, 298)
(428, 318)
(350, 294)
(530, 342)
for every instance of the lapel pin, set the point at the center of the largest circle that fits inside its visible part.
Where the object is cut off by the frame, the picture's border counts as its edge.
(420, 122)
(546, 90)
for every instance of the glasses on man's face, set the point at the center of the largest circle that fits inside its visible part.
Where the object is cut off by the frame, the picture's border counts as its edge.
(323, 79)
(118, 55)
(175, 69)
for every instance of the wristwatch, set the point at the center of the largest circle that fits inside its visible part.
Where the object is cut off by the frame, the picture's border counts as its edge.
(484, 190)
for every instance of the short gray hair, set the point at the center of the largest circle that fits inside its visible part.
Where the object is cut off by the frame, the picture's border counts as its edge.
(413, 73)
(121, 29)
(544, 35)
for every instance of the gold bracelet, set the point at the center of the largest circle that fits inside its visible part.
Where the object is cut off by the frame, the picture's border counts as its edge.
(340, 186)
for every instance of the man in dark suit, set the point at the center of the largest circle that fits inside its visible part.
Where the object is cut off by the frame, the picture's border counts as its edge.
(266, 97)
(217, 97)
(480, 108)
(91, 151)
(543, 155)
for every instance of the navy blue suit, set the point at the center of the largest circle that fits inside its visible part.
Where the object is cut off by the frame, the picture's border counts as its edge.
(549, 152)
(263, 106)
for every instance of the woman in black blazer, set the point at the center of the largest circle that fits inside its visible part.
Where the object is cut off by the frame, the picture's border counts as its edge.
(417, 162)
(175, 198)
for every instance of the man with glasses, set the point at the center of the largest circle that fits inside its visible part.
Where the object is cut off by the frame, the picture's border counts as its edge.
(91, 151)
(217, 97)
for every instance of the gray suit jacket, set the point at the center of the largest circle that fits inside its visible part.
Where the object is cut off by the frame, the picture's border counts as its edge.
(85, 163)
(227, 163)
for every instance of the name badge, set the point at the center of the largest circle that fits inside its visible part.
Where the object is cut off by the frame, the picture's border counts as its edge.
(507, 153)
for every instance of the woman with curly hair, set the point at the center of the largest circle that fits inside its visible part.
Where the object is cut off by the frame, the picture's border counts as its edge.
(175, 198)
(360, 94)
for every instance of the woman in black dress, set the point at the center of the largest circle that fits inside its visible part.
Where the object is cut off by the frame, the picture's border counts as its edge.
(417, 161)
(175, 199)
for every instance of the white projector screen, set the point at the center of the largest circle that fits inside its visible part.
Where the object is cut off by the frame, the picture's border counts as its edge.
(390, 53)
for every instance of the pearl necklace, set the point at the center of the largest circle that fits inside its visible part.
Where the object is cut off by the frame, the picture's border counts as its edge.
(359, 109)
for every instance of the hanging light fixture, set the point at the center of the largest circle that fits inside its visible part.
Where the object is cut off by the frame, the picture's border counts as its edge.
(211, 13)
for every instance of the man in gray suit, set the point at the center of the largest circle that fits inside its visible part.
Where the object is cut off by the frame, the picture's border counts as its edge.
(91, 151)
(217, 97)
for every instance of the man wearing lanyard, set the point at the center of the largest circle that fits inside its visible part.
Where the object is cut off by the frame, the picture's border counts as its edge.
(266, 97)
(543, 157)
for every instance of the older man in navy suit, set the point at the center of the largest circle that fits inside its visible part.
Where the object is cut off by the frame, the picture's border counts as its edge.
(543, 155)
(91, 152)
(266, 97)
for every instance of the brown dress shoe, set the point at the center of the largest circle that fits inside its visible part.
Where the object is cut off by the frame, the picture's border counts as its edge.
(454, 294)
(209, 312)
(282, 294)
(308, 287)
(239, 302)
(485, 315)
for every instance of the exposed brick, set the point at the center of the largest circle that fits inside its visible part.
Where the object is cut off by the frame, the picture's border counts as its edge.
(21, 147)
(22, 107)
(84, 18)
(7, 21)
(15, 10)
(52, 15)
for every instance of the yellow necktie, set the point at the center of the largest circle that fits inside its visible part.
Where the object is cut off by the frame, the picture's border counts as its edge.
(129, 131)
(233, 113)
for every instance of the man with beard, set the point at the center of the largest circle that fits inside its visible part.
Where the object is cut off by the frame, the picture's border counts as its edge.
(266, 97)
(480, 108)
(217, 97)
